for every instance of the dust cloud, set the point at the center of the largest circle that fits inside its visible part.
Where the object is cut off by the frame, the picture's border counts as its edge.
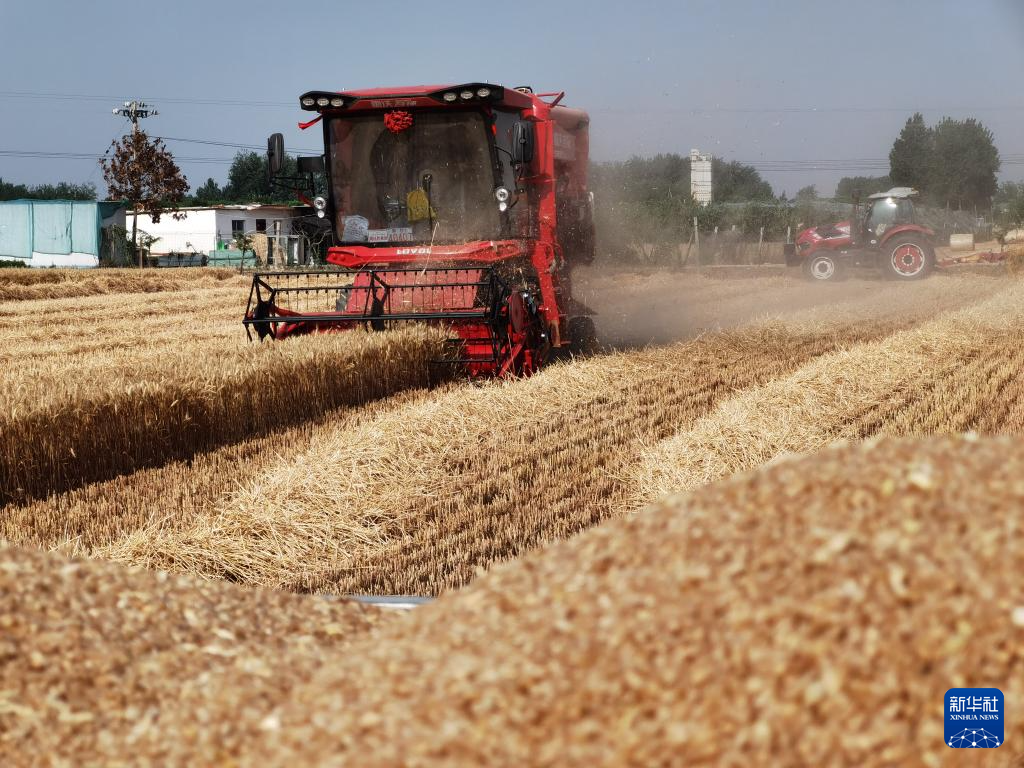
(638, 308)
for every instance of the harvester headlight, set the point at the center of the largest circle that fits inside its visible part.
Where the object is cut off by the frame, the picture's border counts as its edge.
(319, 203)
(337, 101)
(502, 207)
(483, 93)
(466, 95)
(501, 195)
(323, 101)
(308, 101)
(450, 96)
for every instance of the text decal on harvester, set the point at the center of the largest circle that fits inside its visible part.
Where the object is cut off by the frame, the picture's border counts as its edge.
(974, 718)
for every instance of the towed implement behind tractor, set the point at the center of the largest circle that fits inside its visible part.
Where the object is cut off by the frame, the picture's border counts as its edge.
(886, 236)
(464, 207)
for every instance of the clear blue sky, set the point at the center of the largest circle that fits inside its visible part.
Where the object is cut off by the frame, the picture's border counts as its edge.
(757, 81)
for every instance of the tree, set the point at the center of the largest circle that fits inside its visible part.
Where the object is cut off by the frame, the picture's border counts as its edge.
(913, 155)
(735, 182)
(1009, 205)
(209, 193)
(143, 173)
(806, 194)
(249, 180)
(60, 191)
(861, 186)
(966, 163)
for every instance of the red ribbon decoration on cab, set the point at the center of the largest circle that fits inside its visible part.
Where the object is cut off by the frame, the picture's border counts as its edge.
(397, 120)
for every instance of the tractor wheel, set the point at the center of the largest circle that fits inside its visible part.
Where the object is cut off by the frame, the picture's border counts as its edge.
(823, 267)
(908, 257)
(582, 336)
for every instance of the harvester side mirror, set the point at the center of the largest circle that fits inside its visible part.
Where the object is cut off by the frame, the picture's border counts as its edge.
(524, 139)
(275, 153)
(310, 164)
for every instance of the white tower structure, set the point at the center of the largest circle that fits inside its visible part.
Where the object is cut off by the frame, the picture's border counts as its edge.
(700, 177)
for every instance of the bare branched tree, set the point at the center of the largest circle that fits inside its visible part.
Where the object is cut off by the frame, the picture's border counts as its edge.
(142, 172)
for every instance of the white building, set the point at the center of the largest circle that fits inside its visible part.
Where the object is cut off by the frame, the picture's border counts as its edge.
(204, 229)
(700, 177)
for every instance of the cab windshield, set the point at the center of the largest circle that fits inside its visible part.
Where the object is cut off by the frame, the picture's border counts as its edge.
(415, 177)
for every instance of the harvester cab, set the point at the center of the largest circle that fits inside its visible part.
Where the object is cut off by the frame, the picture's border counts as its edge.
(465, 207)
(886, 235)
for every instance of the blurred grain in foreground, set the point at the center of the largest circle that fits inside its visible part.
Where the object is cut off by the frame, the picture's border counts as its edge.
(97, 660)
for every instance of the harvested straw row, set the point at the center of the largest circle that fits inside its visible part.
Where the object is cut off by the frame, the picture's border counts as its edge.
(942, 373)
(23, 285)
(93, 658)
(116, 426)
(87, 328)
(416, 499)
(171, 495)
(811, 614)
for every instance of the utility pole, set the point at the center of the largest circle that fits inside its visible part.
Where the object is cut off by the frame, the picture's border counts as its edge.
(135, 111)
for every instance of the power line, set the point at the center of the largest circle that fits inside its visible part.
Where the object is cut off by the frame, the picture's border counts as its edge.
(255, 147)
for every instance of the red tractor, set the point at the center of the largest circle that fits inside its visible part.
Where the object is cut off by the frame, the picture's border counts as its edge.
(886, 236)
(463, 206)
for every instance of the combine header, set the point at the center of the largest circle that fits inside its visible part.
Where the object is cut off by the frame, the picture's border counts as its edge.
(465, 207)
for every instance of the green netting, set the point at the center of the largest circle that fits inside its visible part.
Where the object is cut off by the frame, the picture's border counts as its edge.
(16, 230)
(85, 228)
(49, 227)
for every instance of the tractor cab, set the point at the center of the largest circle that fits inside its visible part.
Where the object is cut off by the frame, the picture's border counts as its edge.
(886, 210)
(886, 236)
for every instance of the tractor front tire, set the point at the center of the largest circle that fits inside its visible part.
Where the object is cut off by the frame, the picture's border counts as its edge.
(907, 257)
(823, 268)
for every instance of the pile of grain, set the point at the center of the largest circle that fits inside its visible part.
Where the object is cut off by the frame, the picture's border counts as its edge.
(813, 613)
(94, 658)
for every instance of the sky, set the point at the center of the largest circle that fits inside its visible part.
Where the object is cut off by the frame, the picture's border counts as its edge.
(807, 92)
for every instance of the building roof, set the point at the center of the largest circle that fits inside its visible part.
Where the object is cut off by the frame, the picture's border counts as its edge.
(238, 207)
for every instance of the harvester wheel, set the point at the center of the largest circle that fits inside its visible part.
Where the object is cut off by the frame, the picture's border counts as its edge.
(823, 267)
(582, 335)
(907, 257)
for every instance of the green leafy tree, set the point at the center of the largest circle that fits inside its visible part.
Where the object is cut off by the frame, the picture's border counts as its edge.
(60, 191)
(209, 193)
(913, 155)
(735, 182)
(966, 163)
(805, 194)
(142, 172)
(249, 180)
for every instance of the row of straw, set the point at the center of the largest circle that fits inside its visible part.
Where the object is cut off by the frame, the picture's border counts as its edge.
(29, 284)
(945, 376)
(422, 495)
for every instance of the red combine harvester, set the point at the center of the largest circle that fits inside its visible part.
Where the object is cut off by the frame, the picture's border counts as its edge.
(462, 206)
(887, 235)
